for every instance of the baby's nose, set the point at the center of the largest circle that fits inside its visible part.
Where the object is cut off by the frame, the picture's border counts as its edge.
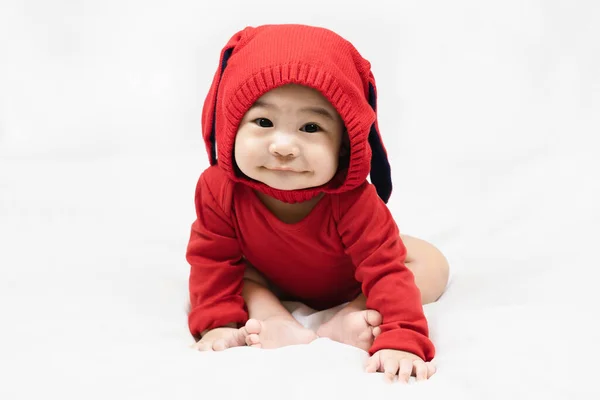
(284, 146)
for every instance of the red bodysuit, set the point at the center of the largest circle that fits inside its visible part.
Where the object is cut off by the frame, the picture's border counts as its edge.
(349, 241)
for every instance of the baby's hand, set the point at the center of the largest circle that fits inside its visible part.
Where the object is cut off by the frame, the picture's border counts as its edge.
(401, 363)
(219, 339)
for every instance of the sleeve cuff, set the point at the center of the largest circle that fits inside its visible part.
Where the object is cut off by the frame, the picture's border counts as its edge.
(201, 319)
(404, 340)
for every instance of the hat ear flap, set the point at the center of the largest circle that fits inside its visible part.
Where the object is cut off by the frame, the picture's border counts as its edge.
(210, 103)
(381, 175)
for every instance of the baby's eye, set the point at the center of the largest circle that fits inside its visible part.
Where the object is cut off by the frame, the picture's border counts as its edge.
(263, 122)
(311, 128)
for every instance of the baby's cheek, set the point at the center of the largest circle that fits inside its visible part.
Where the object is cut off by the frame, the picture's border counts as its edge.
(245, 147)
(327, 166)
(242, 157)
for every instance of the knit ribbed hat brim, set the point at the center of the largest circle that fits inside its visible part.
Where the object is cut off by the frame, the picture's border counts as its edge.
(257, 60)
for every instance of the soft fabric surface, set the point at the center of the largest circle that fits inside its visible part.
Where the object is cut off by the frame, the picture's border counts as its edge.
(93, 296)
(491, 119)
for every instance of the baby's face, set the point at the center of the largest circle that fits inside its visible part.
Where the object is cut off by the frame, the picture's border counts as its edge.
(290, 139)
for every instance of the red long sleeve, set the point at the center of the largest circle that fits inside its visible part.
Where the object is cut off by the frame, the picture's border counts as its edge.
(217, 267)
(371, 238)
(306, 260)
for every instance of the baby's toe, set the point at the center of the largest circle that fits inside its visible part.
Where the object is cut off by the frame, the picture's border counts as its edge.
(253, 326)
(376, 331)
(253, 340)
(373, 317)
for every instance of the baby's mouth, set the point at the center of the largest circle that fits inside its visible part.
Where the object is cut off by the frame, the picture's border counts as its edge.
(284, 169)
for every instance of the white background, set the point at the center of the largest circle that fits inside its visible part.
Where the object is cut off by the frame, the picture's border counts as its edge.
(490, 112)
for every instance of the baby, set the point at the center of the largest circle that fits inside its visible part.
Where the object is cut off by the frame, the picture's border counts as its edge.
(285, 211)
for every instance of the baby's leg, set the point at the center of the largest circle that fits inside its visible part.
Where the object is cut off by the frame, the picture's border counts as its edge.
(270, 324)
(428, 265)
(357, 326)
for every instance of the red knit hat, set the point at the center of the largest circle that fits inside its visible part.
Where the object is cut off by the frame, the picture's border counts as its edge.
(256, 60)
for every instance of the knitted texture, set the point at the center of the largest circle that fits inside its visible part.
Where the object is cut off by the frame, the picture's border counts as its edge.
(256, 60)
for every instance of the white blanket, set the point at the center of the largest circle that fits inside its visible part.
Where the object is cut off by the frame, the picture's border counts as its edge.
(93, 295)
(491, 120)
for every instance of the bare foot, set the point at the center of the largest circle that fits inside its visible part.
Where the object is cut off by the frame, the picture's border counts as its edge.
(276, 332)
(356, 328)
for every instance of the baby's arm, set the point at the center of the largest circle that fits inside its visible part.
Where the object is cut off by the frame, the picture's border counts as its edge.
(371, 238)
(263, 304)
(217, 266)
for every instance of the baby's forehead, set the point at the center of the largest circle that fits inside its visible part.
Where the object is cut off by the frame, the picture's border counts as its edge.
(293, 93)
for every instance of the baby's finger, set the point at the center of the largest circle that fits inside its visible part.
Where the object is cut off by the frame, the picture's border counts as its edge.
(390, 367)
(204, 346)
(406, 369)
(421, 370)
(373, 364)
(431, 369)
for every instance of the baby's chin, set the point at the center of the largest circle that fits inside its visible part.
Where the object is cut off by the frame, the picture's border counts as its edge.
(287, 186)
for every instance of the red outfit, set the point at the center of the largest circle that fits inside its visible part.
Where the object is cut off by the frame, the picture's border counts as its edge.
(348, 243)
(322, 261)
